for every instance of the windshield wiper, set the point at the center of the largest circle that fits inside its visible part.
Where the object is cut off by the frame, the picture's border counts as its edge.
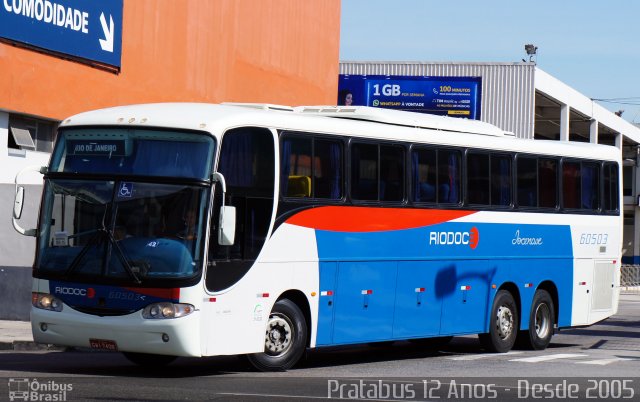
(76, 261)
(122, 257)
(97, 240)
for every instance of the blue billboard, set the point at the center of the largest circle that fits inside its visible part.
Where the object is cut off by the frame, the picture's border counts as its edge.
(88, 30)
(450, 96)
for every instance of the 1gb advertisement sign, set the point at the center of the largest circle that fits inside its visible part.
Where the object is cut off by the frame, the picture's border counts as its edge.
(451, 96)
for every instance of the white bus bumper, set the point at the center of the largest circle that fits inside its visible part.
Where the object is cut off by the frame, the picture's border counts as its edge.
(131, 333)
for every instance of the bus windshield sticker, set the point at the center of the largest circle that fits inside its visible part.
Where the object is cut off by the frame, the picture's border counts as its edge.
(60, 239)
(126, 190)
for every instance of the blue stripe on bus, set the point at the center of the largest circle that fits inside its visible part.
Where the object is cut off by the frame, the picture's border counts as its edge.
(448, 240)
(110, 297)
(435, 280)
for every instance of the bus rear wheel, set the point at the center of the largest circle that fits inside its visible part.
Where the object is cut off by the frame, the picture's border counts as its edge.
(541, 321)
(503, 324)
(148, 359)
(285, 338)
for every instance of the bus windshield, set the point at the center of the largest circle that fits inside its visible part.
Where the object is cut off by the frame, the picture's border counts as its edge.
(132, 151)
(120, 230)
(142, 224)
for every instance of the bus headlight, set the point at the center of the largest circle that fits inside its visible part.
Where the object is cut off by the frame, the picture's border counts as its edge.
(46, 301)
(167, 310)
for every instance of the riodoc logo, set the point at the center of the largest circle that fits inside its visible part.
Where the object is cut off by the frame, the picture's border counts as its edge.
(66, 290)
(470, 238)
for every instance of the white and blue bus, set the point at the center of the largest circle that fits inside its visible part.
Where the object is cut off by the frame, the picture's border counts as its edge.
(199, 230)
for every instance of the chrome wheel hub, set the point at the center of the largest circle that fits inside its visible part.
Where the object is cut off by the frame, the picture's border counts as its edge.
(542, 320)
(504, 322)
(278, 336)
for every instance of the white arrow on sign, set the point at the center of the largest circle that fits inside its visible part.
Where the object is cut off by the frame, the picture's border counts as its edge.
(107, 43)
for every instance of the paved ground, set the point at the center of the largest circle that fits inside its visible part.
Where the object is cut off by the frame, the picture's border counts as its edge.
(601, 360)
(13, 333)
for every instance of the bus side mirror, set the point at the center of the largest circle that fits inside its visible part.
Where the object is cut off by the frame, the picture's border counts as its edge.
(227, 226)
(18, 203)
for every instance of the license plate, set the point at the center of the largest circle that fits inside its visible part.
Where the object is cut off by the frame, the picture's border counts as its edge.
(103, 344)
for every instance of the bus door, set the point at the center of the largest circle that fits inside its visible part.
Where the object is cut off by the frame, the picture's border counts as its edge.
(604, 290)
(247, 161)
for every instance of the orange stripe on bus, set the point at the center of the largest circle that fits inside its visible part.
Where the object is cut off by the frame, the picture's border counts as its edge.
(367, 219)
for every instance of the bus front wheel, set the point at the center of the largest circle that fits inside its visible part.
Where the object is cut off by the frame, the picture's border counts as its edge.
(541, 321)
(503, 324)
(285, 338)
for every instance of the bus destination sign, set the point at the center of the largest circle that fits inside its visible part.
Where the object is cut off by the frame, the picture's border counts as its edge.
(96, 147)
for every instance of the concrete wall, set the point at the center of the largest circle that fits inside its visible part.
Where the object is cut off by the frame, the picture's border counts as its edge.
(17, 253)
(15, 293)
(275, 51)
(15, 249)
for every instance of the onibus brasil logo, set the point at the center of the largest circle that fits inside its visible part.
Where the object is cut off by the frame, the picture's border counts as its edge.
(455, 238)
(25, 389)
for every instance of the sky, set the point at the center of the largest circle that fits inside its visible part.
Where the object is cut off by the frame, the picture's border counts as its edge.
(591, 45)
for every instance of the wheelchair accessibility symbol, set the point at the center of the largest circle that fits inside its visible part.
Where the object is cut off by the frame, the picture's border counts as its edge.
(126, 189)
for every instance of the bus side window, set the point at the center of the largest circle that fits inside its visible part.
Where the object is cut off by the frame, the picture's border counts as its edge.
(501, 180)
(327, 173)
(478, 178)
(548, 182)
(311, 167)
(571, 185)
(295, 180)
(364, 172)
(377, 172)
(449, 176)
(527, 183)
(590, 186)
(423, 173)
(611, 187)
(392, 171)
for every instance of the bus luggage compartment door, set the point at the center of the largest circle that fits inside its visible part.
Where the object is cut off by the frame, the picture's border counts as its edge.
(465, 289)
(418, 306)
(364, 301)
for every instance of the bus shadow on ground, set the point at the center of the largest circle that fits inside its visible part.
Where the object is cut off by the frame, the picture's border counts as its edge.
(82, 363)
(621, 323)
(401, 350)
(91, 363)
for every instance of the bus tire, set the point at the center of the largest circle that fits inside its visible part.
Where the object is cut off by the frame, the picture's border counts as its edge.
(503, 324)
(148, 359)
(541, 321)
(285, 338)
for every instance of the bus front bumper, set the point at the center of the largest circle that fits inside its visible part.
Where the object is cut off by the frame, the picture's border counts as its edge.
(127, 333)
